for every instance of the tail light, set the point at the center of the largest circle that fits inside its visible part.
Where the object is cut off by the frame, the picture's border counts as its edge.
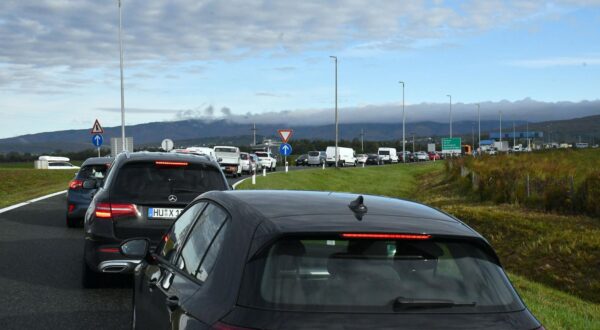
(111, 210)
(224, 326)
(387, 236)
(71, 207)
(75, 184)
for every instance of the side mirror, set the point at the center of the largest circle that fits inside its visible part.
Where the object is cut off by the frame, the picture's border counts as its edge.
(136, 248)
(90, 184)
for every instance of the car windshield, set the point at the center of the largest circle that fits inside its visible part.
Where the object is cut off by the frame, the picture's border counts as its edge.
(231, 150)
(92, 172)
(262, 154)
(313, 153)
(378, 276)
(384, 152)
(149, 182)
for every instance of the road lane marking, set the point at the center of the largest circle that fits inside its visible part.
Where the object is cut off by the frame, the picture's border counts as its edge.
(12, 207)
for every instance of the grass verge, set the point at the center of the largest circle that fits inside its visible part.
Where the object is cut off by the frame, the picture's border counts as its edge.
(560, 251)
(21, 184)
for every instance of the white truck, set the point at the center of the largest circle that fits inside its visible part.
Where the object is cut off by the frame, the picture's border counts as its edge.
(388, 155)
(267, 160)
(347, 156)
(54, 163)
(229, 159)
(210, 152)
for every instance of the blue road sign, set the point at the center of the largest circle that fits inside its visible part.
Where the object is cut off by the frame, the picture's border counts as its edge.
(285, 149)
(97, 140)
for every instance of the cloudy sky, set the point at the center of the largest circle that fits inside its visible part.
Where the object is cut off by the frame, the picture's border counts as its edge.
(59, 59)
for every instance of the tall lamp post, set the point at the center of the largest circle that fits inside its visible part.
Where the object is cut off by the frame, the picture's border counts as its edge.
(122, 89)
(403, 126)
(479, 128)
(336, 113)
(450, 96)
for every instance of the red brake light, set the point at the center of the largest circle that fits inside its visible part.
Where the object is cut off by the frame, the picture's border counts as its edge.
(75, 184)
(71, 207)
(387, 236)
(108, 210)
(167, 163)
(224, 326)
(109, 250)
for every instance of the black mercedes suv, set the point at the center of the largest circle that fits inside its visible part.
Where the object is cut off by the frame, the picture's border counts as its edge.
(142, 195)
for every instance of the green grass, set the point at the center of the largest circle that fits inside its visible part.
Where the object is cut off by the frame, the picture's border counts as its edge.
(399, 181)
(556, 309)
(21, 184)
(560, 251)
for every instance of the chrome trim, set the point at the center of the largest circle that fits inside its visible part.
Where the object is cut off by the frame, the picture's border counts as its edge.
(118, 266)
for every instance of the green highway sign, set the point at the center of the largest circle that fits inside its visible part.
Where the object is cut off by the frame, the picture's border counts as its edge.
(451, 145)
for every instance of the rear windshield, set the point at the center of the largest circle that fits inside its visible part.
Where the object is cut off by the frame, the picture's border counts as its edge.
(384, 152)
(92, 172)
(313, 153)
(244, 156)
(233, 150)
(143, 182)
(262, 154)
(377, 276)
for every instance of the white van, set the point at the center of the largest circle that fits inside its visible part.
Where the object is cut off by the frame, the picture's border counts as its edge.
(54, 163)
(388, 155)
(347, 157)
(229, 159)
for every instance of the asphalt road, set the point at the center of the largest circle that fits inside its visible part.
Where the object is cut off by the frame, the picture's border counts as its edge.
(40, 271)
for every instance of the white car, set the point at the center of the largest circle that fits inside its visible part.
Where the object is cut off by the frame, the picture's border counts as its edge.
(388, 155)
(248, 166)
(267, 160)
(229, 159)
(421, 156)
(362, 158)
(346, 156)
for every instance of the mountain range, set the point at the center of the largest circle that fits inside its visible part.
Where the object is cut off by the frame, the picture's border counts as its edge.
(198, 131)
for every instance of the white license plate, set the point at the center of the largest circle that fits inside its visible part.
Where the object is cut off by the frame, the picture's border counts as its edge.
(163, 213)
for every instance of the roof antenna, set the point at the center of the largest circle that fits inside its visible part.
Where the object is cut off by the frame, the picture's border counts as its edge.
(358, 207)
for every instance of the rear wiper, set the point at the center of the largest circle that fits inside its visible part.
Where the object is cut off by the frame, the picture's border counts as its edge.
(408, 303)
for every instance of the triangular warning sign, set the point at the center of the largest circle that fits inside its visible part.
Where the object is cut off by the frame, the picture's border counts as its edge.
(285, 134)
(97, 129)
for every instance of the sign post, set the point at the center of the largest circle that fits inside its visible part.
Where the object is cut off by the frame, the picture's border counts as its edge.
(285, 149)
(97, 138)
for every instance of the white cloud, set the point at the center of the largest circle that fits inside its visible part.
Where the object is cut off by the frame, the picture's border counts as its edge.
(542, 63)
(79, 35)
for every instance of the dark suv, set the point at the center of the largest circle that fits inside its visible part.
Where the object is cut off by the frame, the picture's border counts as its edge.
(92, 173)
(142, 195)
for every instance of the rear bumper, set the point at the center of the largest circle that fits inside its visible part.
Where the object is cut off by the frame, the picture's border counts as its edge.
(104, 257)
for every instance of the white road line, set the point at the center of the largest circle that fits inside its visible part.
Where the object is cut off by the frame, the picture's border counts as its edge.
(12, 207)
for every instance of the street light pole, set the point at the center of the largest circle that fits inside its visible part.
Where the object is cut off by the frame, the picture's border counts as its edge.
(336, 113)
(403, 126)
(450, 96)
(122, 89)
(362, 140)
(500, 126)
(479, 123)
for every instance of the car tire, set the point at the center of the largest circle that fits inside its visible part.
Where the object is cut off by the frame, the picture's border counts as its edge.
(89, 278)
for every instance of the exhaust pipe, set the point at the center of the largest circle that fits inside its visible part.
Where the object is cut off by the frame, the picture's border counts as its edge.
(118, 266)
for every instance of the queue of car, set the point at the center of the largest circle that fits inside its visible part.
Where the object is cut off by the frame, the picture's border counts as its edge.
(205, 257)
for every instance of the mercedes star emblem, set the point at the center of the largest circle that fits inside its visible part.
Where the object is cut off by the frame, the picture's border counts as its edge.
(172, 198)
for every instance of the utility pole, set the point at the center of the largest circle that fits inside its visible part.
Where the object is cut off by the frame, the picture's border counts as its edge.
(500, 126)
(473, 134)
(514, 135)
(253, 129)
(450, 96)
(479, 133)
(362, 140)
(413, 136)
(336, 112)
(403, 126)
(122, 88)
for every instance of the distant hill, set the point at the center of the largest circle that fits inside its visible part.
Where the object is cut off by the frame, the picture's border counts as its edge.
(187, 132)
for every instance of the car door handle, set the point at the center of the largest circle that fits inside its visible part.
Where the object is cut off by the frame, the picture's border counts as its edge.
(172, 302)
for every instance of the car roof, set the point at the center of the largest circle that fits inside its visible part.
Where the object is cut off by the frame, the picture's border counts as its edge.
(315, 211)
(97, 161)
(168, 156)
